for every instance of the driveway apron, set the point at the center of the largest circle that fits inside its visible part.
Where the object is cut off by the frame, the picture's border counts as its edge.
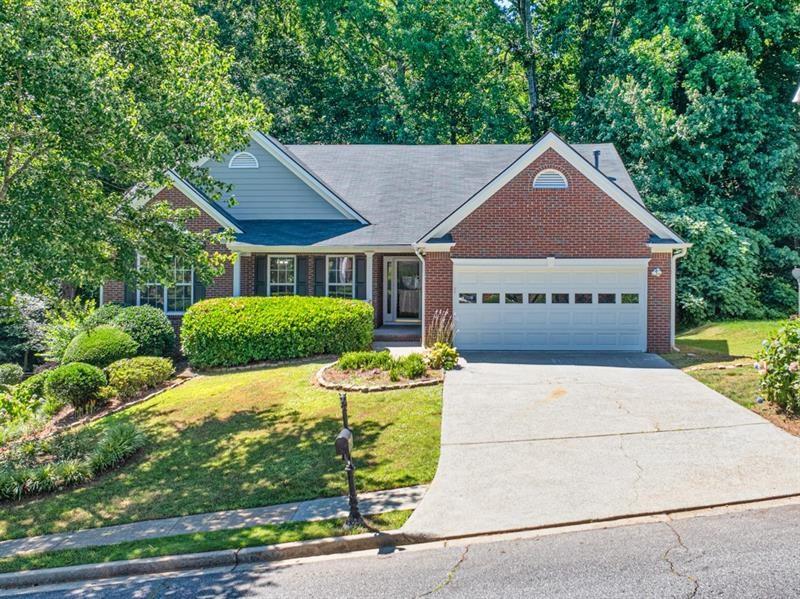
(541, 439)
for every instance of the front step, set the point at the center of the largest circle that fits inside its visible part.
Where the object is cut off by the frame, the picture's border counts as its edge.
(400, 333)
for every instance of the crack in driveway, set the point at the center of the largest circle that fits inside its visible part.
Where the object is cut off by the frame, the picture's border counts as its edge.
(450, 576)
(673, 569)
(639, 473)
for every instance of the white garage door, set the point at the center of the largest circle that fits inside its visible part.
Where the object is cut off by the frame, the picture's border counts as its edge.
(550, 304)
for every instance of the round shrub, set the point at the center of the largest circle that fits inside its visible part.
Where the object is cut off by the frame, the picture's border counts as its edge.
(238, 330)
(779, 363)
(442, 355)
(105, 314)
(132, 375)
(411, 366)
(11, 374)
(77, 383)
(100, 346)
(149, 327)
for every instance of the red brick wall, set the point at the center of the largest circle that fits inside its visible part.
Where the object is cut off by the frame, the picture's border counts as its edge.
(222, 286)
(578, 222)
(438, 284)
(659, 309)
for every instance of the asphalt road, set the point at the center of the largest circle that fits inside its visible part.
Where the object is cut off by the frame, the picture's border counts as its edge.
(751, 553)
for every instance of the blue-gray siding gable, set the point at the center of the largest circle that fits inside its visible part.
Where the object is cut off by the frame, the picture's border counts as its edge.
(270, 191)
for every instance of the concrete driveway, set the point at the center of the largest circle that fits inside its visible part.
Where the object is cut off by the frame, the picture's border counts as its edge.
(538, 439)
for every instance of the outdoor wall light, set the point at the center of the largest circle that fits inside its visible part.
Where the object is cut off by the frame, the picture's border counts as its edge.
(656, 272)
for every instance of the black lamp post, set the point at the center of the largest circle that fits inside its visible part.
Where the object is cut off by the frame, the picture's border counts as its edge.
(344, 448)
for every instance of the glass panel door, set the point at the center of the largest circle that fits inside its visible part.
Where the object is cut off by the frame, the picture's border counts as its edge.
(408, 290)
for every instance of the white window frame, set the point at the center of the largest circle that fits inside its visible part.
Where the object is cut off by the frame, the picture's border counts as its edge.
(269, 272)
(328, 277)
(164, 289)
(243, 154)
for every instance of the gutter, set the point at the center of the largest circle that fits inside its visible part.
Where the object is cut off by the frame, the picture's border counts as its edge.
(677, 255)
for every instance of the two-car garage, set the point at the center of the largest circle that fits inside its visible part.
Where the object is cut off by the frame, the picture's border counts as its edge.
(550, 304)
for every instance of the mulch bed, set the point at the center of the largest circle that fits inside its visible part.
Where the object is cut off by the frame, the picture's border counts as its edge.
(791, 424)
(373, 379)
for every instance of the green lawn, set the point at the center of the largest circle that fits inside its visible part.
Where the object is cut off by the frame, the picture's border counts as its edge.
(732, 338)
(200, 542)
(246, 439)
(720, 355)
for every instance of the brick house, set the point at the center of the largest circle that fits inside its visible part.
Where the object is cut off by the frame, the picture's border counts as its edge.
(544, 247)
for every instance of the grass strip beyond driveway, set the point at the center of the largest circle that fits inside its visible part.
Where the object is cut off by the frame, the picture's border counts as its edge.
(245, 439)
(200, 542)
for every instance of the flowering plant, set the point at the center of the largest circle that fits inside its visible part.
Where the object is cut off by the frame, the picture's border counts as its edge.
(778, 361)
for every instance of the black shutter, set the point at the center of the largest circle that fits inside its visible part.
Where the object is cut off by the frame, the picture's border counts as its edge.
(261, 275)
(319, 275)
(129, 295)
(199, 290)
(361, 278)
(301, 276)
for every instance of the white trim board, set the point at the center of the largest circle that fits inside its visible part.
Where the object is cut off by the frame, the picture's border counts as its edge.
(551, 141)
(316, 184)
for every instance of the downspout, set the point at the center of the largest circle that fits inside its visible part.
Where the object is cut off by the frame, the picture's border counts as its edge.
(418, 251)
(677, 255)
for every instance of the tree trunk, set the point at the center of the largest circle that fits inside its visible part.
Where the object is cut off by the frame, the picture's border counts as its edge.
(529, 63)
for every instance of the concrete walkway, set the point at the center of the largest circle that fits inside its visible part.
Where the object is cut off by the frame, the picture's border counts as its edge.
(318, 509)
(535, 439)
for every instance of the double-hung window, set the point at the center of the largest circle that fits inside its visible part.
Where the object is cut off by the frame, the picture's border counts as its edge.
(173, 298)
(341, 279)
(281, 275)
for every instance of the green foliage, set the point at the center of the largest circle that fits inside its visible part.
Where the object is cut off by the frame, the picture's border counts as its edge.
(100, 346)
(442, 355)
(410, 366)
(234, 331)
(21, 328)
(105, 314)
(76, 383)
(27, 397)
(150, 329)
(66, 460)
(64, 320)
(10, 374)
(133, 375)
(779, 363)
(97, 97)
(364, 360)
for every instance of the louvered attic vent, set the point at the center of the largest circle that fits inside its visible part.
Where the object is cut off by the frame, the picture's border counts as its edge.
(243, 160)
(550, 179)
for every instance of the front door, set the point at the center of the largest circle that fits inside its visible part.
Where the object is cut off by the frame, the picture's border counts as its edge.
(402, 290)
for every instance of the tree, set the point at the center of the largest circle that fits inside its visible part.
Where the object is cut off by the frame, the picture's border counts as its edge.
(96, 97)
(697, 100)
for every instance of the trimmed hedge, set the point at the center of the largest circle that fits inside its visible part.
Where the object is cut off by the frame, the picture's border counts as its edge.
(150, 329)
(77, 383)
(105, 314)
(238, 330)
(100, 346)
(132, 375)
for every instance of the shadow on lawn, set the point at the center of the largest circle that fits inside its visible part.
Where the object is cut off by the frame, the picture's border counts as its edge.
(252, 458)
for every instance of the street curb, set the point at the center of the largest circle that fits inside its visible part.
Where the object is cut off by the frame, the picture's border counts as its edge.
(209, 559)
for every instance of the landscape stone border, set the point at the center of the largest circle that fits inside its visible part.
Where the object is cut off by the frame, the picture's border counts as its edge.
(323, 382)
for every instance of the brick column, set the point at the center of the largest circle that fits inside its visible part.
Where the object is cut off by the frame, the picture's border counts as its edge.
(438, 284)
(659, 304)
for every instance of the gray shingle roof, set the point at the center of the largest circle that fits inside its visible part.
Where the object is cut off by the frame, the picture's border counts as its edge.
(403, 191)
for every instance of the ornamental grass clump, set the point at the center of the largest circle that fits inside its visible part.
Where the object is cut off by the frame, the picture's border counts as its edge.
(779, 364)
(70, 459)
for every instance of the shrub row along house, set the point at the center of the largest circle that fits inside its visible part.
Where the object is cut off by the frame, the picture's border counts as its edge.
(543, 246)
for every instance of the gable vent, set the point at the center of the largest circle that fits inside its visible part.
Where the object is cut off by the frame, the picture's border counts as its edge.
(550, 179)
(243, 160)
